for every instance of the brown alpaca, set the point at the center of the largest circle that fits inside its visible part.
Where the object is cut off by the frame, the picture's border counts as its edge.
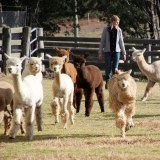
(70, 69)
(6, 102)
(90, 79)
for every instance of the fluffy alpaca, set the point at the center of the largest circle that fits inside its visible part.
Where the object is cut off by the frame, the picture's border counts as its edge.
(6, 99)
(122, 96)
(27, 96)
(33, 66)
(90, 79)
(70, 69)
(151, 71)
(63, 89)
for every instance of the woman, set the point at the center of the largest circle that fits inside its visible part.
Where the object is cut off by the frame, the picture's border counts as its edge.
(112, 45)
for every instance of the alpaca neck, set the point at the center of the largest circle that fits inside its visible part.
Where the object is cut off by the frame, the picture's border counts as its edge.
(58, 78)
(18, 84)
(144, 66)
(83, 71)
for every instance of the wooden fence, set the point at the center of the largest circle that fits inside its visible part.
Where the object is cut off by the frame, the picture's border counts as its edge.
(33, 43)
(90, 46)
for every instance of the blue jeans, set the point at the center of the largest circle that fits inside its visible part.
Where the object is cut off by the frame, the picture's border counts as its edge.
(111, 63)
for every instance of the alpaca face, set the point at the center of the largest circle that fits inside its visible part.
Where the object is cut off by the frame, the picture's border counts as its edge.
(137, 54)
(123, 79)
(56, 64)
(35, 64)
(79, 61)
(123, 83)
(13, 65)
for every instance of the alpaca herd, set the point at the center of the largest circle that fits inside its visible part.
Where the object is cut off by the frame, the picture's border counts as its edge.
(21, 101)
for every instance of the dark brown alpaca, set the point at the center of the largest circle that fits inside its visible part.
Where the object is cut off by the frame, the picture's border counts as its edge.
(90, 79)
(70, 69)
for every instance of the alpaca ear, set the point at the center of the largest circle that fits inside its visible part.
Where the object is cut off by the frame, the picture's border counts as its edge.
(143, 50)
(7, 56)
(27, 58)
(41, 58)
(133, 49)
(130, 71)
(49, 56)
(64, 58)
(23, 58)
(68, 50)
(57, 49)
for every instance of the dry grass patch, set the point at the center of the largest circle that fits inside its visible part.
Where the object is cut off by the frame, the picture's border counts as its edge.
(91, 138)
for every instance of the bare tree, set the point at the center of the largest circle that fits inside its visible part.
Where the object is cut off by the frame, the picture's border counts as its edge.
(154, 25)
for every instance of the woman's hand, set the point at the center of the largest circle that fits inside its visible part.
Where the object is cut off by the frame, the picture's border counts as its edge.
(100, 56)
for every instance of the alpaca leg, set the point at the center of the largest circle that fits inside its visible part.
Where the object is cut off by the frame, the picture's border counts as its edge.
(121, 122)
(71, 112)
(7, 121)
(30, 113)
(1, 116)
(78, 95)
(149, 86)
(65, 115)
(16, 123)
(100, 97)
(88, 101)
(130, 111)
(55, 106)
(39, 117)
(22, 128)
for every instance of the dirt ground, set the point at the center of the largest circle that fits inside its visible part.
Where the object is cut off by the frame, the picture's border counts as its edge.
(87, 28)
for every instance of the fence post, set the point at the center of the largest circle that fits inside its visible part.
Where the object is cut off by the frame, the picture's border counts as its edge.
(6, 45)
(26, 42)
(40, 43)
(149, 57)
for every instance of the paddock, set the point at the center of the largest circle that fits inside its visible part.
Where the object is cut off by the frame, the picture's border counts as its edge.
(94, 137)
(31, 42)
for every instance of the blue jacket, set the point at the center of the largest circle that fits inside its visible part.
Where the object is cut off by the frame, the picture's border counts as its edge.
(105, 41)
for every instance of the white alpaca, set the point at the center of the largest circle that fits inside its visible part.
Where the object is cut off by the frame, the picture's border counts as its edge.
(33, 66)
(151, 71)
(63, 89)
(28, 96)
(122, 96)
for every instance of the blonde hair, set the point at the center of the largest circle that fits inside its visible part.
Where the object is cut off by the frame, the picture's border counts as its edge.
(115, 18)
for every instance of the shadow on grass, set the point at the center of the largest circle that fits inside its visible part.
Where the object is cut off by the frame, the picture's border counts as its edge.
(145, 116)
(19, 138)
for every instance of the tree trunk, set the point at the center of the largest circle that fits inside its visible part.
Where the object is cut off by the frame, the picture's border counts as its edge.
(155, 19)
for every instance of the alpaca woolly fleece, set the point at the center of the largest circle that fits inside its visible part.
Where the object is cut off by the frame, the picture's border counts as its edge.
(28, 95)
(151, 71)
(63, 89)
(122, 96)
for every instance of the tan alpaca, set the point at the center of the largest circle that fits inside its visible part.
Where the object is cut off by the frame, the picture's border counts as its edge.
(63, 90)
(122, 96)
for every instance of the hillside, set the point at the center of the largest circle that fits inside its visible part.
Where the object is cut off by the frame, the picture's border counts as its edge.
(91, 28)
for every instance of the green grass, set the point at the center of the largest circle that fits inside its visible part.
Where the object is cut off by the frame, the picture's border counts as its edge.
(94, 137)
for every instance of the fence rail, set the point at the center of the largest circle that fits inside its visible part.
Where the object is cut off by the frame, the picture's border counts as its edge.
(31, 42)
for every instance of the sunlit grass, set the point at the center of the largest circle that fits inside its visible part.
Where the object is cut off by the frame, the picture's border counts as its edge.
(94, 137)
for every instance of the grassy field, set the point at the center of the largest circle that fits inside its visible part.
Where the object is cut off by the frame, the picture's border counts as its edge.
(94, 137)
